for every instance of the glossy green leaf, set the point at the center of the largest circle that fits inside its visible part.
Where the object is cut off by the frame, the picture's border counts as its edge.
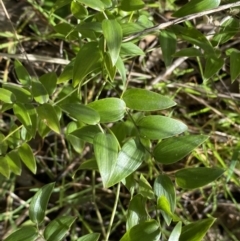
(191, 178)
(14, 140)
(106, 152)
(130, 49)
(148, 230)
(197, 230)
(23, 234)
(7, 96)
(23, 115)
(82, 113)
(86, 133)
(129, 159)
(160, 127)
(94, 4)
(48, 114)
(196, 6)
(175, 234)
(22, 74)
(112, 32)
(174, 149)
(58, 228)
(212, 66)
(49, 81)
(168, 43)
(78, 10)
(87, 61)
(14, 162)
(109, 109)
(131, 28)
(234, 65)
(22, 95)
(188, 52)
(90, 237)
(39, 202)
(145, 100)
(76, 143)
(93, 27)
(39, 92)
(163, 186)
(145, 188)
(136, 211)
(4, 167)
(26, 155)
(131, 5)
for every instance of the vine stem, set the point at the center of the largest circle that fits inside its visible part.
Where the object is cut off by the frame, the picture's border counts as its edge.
(113, 212)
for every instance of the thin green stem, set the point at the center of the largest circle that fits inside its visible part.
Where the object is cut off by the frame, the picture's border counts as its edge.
(113, 212)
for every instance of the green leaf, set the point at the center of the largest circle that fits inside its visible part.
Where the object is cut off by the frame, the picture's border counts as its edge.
(49, 82)
(23, 115)
(168, 43)
(87, 60)
(148, 230)
(66, 74)
(130, 49)
(122, 70)
(7, 96)
(26, 155)
(112, 32)
(106, 152)
(78, 10)
(90, 237)
(196, 6)
(175, 234)
(197, 230)
(81, 113)
(109, 109)
(194, 36)
(89, 165)
(39, 203)
(164, 205)
(111, 70)
(145, 188)
(136, 211)
(188, 52)
(212, 66)
(145, 100)
(22, 95)
(86, 133)
(174, 149)
(191, 178)
(39, 92)
(4, 167)
(22, 74)
(163, 186)
(160, 127)
(49, 116)
(23, 234)
(31, 110)
(128, 161)
(60, 3)
(14, 162)
(94, 4)
(234, 65)
(227, 30)
(131, 5)
(3, 144)
(58, 228)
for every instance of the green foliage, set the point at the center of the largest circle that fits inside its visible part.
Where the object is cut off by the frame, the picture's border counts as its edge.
(127, 129)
